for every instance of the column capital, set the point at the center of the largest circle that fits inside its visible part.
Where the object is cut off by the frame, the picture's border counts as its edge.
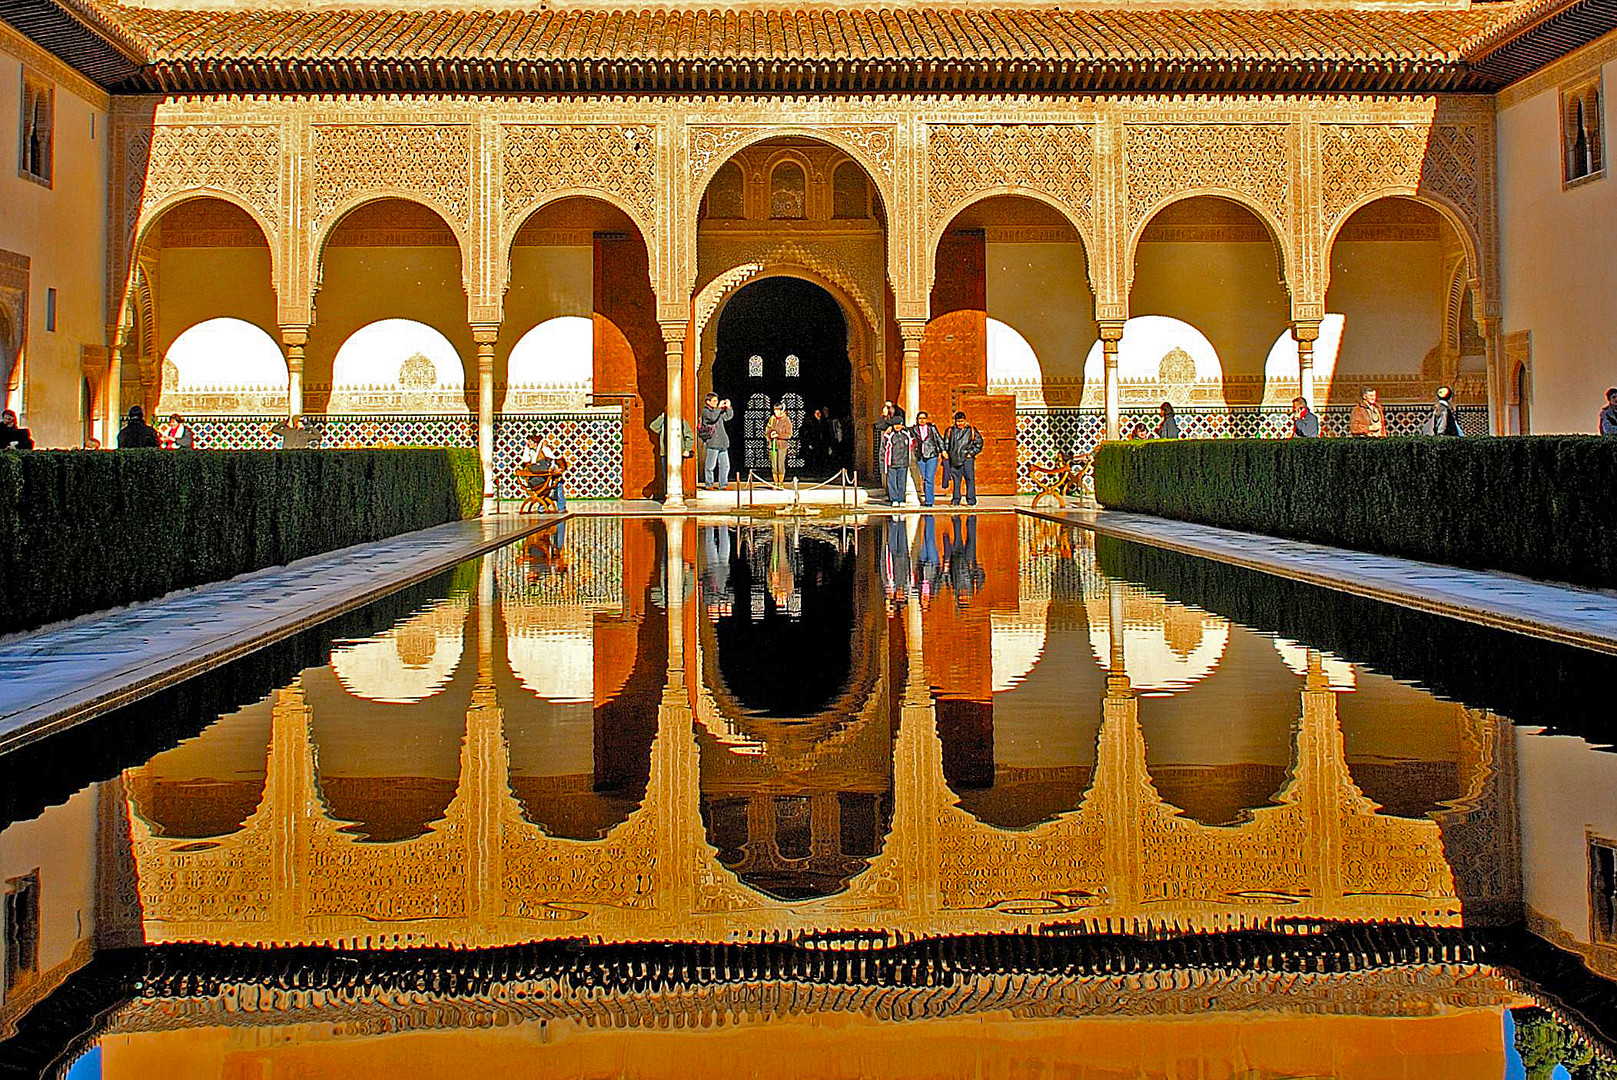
(911, 330)
(1110, 329)
(294, 335)
(674, 332)
(485, 334)
(1305, 330)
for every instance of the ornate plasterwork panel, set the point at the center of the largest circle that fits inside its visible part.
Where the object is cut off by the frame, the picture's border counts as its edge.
(747, 260)
(873, 145)
(618, 159)
(1247, 159)
(432, 161)
(240, 159)
(1362, 159)
(1054, 159)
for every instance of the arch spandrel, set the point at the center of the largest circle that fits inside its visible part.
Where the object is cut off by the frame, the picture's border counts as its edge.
(1081, 223)
(1280, 233)
(151, 215)
(875, 147)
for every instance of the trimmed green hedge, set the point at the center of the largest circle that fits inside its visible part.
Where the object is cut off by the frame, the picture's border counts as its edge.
(1533, 505)
(81, 532)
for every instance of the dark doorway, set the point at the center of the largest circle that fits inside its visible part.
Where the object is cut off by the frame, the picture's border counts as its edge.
(783, 339)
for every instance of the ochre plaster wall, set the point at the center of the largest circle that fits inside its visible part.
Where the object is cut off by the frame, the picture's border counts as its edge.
(546, 283)
(360, 285)
(60, 845)
(1042, 291)
(1555, 775)
(62, 231)
(1393, 297)
(1558, 248)
(194, 284)
(1231, 292)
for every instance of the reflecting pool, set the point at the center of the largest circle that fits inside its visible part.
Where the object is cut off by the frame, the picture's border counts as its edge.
(922, 796)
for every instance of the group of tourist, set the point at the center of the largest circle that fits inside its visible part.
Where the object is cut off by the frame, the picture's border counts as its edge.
(1368, 420)
(822, 442)
(136, 433)
(921, 447)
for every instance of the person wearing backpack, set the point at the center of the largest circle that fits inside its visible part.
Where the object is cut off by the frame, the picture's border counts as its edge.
(715, 441)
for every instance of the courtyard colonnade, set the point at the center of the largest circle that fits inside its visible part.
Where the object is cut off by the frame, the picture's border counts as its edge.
(1107, 165)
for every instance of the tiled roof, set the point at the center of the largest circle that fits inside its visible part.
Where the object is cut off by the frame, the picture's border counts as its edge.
(1534, 32)
(806, 48)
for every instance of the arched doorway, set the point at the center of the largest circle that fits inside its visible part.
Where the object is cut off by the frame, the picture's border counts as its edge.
(784, 340)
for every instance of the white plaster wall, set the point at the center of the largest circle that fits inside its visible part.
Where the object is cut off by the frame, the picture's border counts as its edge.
(62, 230)
(1558, 257)
(1564, 788)
(1393, 300)
(1042, 290)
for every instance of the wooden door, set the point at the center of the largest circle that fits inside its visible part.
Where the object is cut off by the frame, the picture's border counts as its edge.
(995, 416)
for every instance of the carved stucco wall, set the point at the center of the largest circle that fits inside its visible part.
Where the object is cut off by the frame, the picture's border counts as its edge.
(1303, 165)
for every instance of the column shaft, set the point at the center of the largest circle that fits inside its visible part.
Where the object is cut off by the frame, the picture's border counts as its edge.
(1111, 334)
(485, 337)
(912, 332)
(294, 338)
(1305, 333)
(673, 415)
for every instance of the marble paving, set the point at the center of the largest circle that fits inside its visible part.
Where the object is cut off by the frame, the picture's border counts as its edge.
(63, 674)
(1586, 618)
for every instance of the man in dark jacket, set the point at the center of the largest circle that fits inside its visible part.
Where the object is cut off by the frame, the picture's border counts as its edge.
(13, 437)
(1608, 415)
(1442, 421)
(927, 442)
(715, 441)
(962, 445)
(292, 433)
(136, 431)
(1304, 421)
(895, 461)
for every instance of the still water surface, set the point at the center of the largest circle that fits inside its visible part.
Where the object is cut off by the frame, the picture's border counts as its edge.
(925, 797)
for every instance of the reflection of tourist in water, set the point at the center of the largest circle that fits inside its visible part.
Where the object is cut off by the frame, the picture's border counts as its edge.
(966, 574)
(717, 595)
(782, 576)
(895, 562)
(928, 568)
(547, 553)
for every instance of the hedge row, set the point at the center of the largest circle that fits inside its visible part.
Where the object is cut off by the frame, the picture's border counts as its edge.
(81, 532)
(1536, 505)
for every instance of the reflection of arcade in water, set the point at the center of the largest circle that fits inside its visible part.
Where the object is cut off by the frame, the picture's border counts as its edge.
(930, 726)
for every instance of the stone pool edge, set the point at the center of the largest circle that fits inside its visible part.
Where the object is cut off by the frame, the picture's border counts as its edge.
(1405, 582)
(59, 710)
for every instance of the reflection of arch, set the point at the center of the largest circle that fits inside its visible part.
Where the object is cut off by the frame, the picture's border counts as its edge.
(411, 662)
(1016, 642)
(1338, 673)
(210, 785)
(946, 220)
(1166, 646)
(1279, 236)
(1410, 753)
(551, 649)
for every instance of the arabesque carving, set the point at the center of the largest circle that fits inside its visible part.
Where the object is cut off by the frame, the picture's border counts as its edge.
(429, 160)
(1254, 160)
(620, 159)
(244, 160)
(1055, 159)
(1362, 159)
